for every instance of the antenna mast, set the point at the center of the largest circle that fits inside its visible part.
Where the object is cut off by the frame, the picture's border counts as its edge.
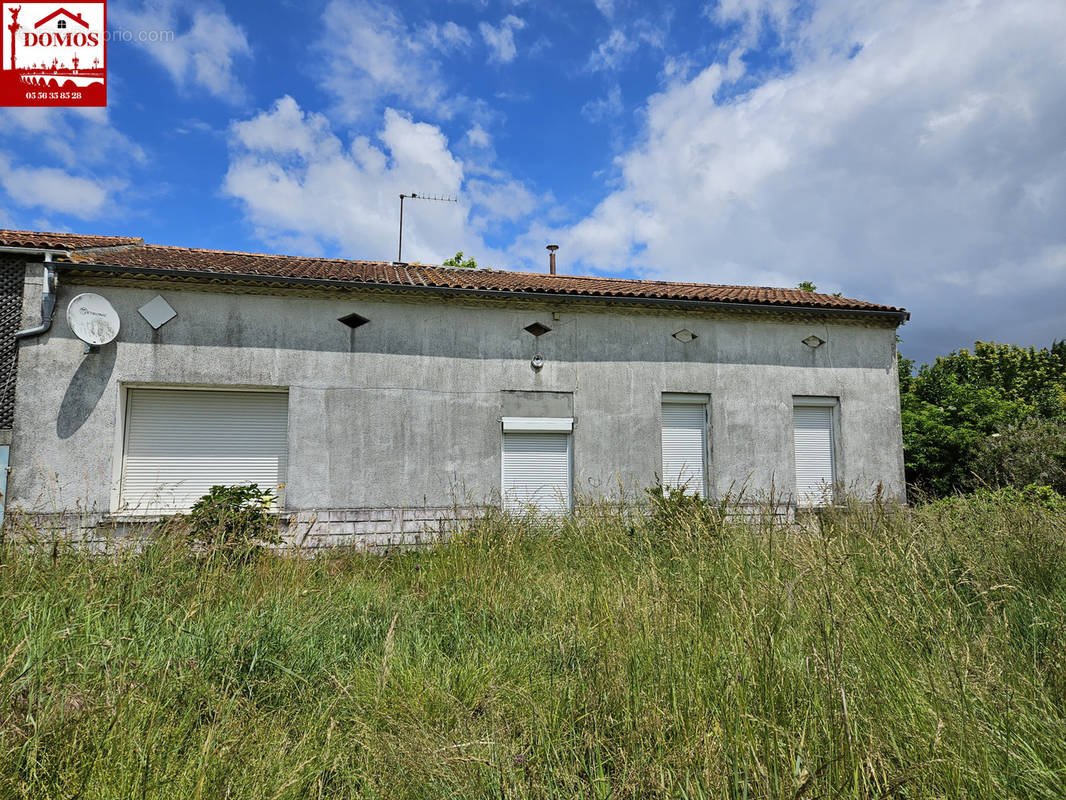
(415, 196)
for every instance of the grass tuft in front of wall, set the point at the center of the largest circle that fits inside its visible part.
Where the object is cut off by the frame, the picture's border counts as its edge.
(874, 653)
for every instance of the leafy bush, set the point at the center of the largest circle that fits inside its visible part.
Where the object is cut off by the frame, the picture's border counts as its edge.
(1020, 455)
(235, 520)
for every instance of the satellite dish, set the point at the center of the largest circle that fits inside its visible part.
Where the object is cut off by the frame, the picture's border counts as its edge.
(92, 319)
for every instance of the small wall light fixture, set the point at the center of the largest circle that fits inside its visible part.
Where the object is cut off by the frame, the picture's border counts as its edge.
(537, 362)
(813, 342)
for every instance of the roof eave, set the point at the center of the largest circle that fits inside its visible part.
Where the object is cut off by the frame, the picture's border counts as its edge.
(899, 317)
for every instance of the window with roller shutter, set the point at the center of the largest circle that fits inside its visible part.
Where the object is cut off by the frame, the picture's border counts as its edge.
(684, 442)
(536, 464)
(181, 442)
(814, 439)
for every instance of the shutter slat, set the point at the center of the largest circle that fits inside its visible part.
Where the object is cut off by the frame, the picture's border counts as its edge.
(536, 471)
(813, 432)
(180, 443)
(684, 446)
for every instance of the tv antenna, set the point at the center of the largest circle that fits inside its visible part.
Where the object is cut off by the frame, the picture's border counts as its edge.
(415, 196)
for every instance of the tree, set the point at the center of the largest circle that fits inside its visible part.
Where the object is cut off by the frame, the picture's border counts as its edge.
(968, 417)
(457, 261)
(807, 286)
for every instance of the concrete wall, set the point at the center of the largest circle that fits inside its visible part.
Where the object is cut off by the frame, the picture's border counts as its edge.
(404, 411)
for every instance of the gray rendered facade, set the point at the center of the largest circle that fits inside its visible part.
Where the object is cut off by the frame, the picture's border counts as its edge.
(396, 424)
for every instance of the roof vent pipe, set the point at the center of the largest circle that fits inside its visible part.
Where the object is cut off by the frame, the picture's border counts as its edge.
(48, 301)
(551, 258)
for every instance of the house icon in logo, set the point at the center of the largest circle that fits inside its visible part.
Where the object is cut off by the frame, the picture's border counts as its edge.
(62, 24)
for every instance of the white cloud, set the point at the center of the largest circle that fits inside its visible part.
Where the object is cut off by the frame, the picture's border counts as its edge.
(85, 163)
(928, 170)
(604, 107)
(606, 7)
(479, 137)
(612, 52)
(75, 137)
(753, 16)
(54, 189)
(500, 39)
(387, 59)
(300, 185)
(201, 55)
(499, 200)
(445, 38)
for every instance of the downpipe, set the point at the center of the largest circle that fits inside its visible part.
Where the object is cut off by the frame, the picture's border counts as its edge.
(48, 301)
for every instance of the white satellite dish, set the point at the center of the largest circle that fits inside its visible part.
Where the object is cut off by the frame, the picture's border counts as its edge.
(92, 319)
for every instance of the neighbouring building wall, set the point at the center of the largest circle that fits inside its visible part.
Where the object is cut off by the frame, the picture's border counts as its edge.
(399, 419)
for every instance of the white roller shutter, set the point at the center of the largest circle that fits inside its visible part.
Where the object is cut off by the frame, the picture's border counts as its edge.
(536, 471)
(684, 446)
(815, 475)
(180, 443)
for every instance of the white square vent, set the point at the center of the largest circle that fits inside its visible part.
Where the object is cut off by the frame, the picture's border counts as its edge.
(157, 312)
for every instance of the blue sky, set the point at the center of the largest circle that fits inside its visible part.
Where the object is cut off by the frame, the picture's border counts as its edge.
(902, 151)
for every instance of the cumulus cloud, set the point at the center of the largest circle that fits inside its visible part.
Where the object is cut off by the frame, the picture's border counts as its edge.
(301, 185)
(387, 59)
(88, 160)
(500, 38)
(204, 49)
(886, 164)
(75, 136)
(55, 189)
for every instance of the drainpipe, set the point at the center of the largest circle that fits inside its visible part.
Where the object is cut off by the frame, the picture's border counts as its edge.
(48, 301)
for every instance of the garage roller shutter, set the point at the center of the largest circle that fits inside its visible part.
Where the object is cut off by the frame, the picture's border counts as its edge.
(536, 471)
(813, 426)
(180, 443)
(684, 445)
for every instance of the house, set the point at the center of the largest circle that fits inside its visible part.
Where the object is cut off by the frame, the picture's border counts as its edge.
(380, 399)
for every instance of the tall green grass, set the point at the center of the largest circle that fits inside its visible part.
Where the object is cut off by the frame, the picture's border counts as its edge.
(874, 653)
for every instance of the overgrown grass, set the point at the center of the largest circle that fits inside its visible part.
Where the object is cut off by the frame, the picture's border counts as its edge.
(880, 653)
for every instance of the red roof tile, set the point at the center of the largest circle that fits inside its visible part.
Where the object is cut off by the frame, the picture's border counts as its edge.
(158, 259)
(62, 241)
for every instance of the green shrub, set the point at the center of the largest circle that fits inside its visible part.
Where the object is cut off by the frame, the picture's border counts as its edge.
(234, 520)
(1021, 455)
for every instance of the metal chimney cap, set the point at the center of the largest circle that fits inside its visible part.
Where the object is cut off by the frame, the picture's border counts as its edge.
(552, 247)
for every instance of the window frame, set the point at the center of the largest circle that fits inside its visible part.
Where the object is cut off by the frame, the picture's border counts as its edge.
(118, 451)
(694, 399)
(832, 402)
(559, 425)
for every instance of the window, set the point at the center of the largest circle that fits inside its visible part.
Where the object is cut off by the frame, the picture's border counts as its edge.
(181, 442)
(815, 439)
(536, 464)
(61, 24)
(684, 442)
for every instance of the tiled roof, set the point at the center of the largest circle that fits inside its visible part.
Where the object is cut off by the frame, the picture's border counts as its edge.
(62, 241)
(158, 259)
